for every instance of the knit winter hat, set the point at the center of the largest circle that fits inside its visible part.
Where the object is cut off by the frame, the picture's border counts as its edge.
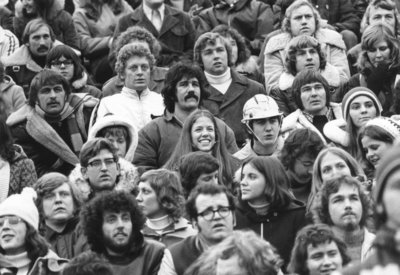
(387, 124)
(23, 206)
(355, 92)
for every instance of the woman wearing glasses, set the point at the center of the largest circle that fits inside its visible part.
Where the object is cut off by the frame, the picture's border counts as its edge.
(161, 200)
(64, 60)
(266, 205)
(22, 249)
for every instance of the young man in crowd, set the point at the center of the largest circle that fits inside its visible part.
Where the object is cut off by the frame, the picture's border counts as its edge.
(184, 93)
(112, 223)
(211, 209)
(343, 205)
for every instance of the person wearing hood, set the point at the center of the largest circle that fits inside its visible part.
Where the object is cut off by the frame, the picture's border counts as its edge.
(124, 136)
(267, 206)
(16, 170)
(65, 61)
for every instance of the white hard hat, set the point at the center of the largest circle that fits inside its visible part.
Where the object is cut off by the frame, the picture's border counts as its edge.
(260, 106)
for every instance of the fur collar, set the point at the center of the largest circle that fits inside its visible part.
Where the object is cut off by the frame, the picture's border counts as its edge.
(324, 36)
(81, 82)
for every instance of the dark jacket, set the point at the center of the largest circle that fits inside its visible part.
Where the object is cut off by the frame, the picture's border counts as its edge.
(252, 19)
(177, 34)
(279, 227)
(22, 172)
(188, 4)
(157, 141)
(229, 106)
(184, 254)
(6, 19)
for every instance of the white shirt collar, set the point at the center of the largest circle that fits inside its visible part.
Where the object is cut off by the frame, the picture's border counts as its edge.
(147, 11)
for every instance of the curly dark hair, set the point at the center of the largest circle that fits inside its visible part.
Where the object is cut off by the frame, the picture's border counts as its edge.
(298, 143)
(320, 207)
(88, 263)
(175, 74)
(314, 235)
(113, 201)
(167, 186)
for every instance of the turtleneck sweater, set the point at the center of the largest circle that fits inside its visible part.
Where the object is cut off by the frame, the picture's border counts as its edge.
(20, 261)
(220, 82)
(159, 224)
(260, 209)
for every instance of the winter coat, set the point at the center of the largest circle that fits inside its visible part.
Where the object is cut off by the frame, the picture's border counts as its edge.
(158, 139)
(284, 97)
(157, 77)
(8, 42)
(176, 37)
(229, 106)
(279, 226)
(12, 95)
(6, 19)
(172, 234)
(60, 21)
(275, 54)
(297, 120)
(22, 172)
(252, 19)
(80, 86)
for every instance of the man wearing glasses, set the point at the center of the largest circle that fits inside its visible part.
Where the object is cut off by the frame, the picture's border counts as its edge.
(211, 209)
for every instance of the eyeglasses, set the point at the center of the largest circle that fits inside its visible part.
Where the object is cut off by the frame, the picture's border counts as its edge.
(209, 213)
(12, 220)
(58, 63)
(98, 163)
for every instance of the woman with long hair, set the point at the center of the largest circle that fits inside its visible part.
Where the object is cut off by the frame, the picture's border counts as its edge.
(161, 199)
(16, 169)
(266, 204)
(359, 106)
(200, 133)
(65, 61)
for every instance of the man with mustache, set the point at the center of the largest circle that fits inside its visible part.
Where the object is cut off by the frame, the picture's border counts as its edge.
(136, 103)
(183, 94)
(344, 206)
(52, 126)
(112, 223)
(229, 90)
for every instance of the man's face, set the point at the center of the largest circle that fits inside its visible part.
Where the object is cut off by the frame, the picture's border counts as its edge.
(218, 228)
(266, 130)
(215, 58)
(302, 21)
(188, 94)
(307, 58)
(302, 168)
(323, 259)
(137, 73)
(313, 97)
(208, 178)
(117, 231)
(29, 6)
(40, 42)
(378, 15)
(51, 99)
(345, 208)
(102, 171)
(58, 205)
(390, 200)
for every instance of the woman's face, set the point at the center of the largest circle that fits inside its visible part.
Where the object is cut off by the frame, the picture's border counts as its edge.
(333, 166)
(203, 134)
(324, 258)
(252, 185)
(374, 149)
(379, 53)
(12, 234)
(362, 109)
(147, 200)
(63, 66)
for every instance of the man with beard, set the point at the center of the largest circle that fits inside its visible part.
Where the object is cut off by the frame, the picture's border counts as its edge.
(183, 94)
(30, 58)
(112, 223)
(52, 126)
(343, 205)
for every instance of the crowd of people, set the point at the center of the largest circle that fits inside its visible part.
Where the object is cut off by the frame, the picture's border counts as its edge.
(199, 137)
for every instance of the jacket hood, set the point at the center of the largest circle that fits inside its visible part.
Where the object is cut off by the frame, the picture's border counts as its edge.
(113, 120)
(7, 83)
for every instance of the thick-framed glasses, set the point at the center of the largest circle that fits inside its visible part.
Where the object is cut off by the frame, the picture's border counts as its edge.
(209, 213)
(12, 220)
(58, 63)
(98, 163)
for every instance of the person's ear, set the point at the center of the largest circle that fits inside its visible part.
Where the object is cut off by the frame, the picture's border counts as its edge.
(118, 168)
(195, 224)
